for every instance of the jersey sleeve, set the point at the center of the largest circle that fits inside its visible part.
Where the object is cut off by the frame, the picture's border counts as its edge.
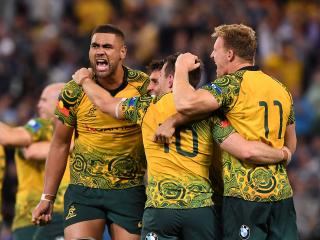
(225, 90)
(39, 129)
(143, 89)
(140, 80)
(134, 109)
(221, 128)
(68, 102)
(292, 117)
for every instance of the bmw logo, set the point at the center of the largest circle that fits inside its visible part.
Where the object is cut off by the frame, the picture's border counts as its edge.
(244, 232)
(151, 236)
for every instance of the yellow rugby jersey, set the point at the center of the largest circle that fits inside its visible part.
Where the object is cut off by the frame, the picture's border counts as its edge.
(259, 108)
(178, 173)
(30, 174)
(2, 169)
(108, 153)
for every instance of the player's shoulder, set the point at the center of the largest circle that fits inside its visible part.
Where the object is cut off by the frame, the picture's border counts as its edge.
(71, 93)
(138, 80)
(282, 86)
(136, 76)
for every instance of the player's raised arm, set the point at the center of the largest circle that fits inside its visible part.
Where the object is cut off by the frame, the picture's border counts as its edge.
(37, 151)
(99, 96)
(189, 101)
(14, 136)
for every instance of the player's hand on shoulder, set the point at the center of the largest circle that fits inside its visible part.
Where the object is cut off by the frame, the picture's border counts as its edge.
(82, 75)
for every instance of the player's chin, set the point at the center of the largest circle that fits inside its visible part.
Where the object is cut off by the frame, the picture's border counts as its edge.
(43, 115)
(102, 74)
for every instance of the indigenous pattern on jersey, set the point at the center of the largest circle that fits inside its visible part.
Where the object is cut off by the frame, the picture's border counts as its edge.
(2, 168)
(108, 153)
(30, 174)
(259, 108)
(178, 173)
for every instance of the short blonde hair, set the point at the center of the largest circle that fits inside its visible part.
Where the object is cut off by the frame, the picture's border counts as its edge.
(238, 37)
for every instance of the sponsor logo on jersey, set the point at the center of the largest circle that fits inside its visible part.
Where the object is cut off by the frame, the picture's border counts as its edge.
(244, 232)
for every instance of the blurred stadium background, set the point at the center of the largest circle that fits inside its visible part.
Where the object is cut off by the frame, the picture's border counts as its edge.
(45, 41)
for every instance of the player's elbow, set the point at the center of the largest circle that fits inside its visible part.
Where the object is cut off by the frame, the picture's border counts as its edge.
(185, 106)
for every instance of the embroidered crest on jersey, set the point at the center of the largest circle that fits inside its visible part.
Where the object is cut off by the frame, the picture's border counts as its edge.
(71, 212)
(91, 112)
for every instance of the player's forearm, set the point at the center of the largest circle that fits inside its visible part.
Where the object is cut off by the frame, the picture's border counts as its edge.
(260, 153)
(37, 151)
(101, 98)
(55, 166)
(251, 151)
(188, 101)
(184, 94)
(179, 119)
(14, 136)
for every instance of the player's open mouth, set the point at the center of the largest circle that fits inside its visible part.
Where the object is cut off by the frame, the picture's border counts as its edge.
(102, 65)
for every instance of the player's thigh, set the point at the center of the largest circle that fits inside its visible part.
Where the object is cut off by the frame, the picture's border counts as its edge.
(201, 223)
(283, 221)
(245, 219)
(82, 204)
(118, 233)
(91, 229)
(161, 224)
(125, 208)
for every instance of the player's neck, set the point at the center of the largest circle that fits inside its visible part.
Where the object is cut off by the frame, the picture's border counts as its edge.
(113, 81)
(236, 66)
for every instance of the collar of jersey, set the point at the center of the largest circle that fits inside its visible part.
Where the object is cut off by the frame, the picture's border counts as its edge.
(250, 68)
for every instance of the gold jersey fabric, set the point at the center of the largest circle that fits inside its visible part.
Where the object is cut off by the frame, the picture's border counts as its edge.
(259, 108)
(2, 169)
(108, 153)
(178, 173)
(30, 176)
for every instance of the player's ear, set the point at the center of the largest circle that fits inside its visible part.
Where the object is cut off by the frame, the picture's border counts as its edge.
(170, 81)
(123, 52)
(230, 55)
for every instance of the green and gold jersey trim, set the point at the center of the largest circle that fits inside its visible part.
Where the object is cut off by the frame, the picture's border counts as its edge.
(178, 192)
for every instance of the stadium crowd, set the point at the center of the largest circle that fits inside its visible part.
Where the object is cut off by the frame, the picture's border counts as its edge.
(46, 41)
